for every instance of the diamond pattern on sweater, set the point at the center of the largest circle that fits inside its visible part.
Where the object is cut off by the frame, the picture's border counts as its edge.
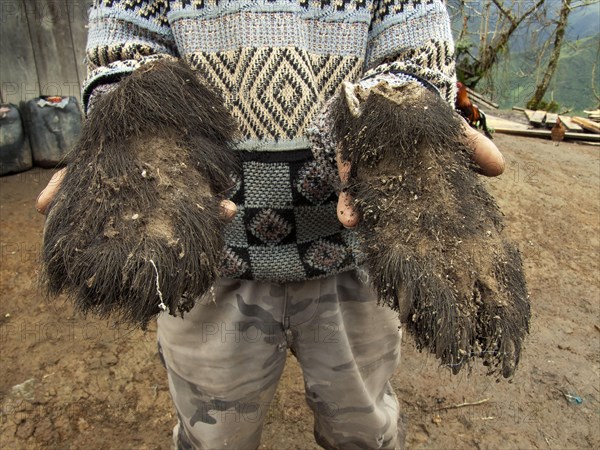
(331, 70)
(270, 227)
(287, 68)
(234, 265)
(313, 183)
(274, 93)
(325, 255)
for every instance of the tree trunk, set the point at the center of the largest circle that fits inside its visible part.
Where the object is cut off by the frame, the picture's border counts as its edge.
(561, 26)
(490, 51)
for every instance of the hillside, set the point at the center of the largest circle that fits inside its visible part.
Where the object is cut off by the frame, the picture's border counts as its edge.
(583, 21)
(514, 80)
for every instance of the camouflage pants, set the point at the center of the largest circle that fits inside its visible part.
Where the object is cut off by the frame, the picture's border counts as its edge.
(225, 358)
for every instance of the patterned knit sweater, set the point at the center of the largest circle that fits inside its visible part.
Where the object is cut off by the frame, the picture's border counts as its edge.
(276, 63)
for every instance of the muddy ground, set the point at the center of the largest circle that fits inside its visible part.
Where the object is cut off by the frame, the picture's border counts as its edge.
(66, 382)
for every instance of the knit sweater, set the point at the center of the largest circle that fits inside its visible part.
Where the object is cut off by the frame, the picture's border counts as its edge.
(276, 63)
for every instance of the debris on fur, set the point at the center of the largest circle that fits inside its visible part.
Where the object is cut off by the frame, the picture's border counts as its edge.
(431, 232)
(135, 227)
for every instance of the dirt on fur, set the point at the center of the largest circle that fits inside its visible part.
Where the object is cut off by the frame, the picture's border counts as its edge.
(66, 382)
(431, 232)
(149, 156)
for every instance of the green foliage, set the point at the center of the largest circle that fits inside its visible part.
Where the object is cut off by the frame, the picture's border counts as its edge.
(462, 47)
(467, 76)
(513, 82)
(550, 106)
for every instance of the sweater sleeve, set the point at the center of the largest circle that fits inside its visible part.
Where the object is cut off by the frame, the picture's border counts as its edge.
(411, 40)
(408, 40)
(123, 35)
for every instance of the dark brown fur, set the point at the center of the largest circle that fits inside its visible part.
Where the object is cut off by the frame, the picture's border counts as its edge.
(431, 232)
(141, 196)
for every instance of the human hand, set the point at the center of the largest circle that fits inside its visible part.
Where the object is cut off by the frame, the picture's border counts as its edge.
(486, 155)
(47, 195)
(345, 211)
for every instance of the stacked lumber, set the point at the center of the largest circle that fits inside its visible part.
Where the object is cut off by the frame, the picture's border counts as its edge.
(588, 125)
(593, 115)
(569, 124)
(481, 100)
(542, 122)
(545, 119)
(536, 118)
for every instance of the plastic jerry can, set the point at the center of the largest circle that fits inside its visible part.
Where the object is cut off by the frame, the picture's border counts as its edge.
(53, 125)
(15, 154)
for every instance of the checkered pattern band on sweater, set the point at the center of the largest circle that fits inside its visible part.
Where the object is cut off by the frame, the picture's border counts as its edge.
(286, 227)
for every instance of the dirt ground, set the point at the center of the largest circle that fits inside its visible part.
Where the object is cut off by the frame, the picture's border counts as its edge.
(70, 383)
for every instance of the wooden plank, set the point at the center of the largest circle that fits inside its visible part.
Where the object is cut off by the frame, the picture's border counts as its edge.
(546, 134)
(529, 114)
(18, 74)
(587, 124)
(593, 115)
(538, 117)
(498, 122)
(50, 32)
(582, 137)
(518, 108)
(476, 97)
(569, 124)
(551, 119)
(79, 21)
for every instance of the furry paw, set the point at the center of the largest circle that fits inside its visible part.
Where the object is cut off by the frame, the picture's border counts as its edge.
(431, 232)
(135, 228)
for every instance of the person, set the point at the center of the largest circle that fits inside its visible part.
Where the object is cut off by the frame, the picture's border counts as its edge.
(291, 274)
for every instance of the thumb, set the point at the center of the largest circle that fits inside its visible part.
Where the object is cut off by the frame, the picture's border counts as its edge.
(228, 210)
(345, 211)
(485, 153)
(47, 195)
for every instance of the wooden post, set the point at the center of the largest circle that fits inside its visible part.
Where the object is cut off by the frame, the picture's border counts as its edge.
(80, 11)
(50, 33)
(18, 73)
